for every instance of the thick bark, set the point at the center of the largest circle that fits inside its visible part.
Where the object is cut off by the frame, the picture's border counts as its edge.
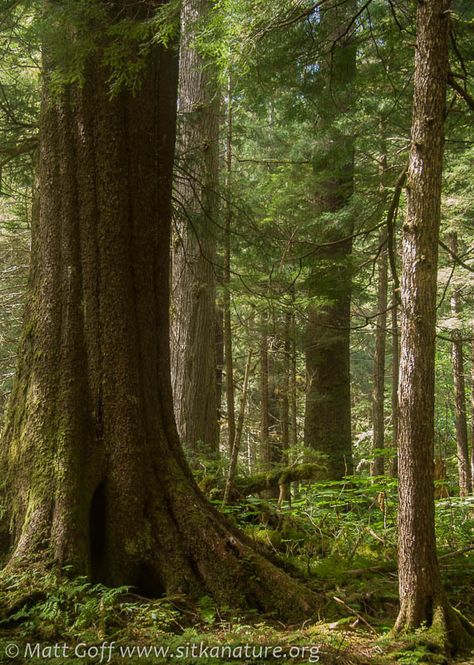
(378, 419)
(328, 400)
(422, 598)
(193, 349)
(464, 466)
(94, 473)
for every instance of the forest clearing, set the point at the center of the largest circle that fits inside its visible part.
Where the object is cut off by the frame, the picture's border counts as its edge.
(236, 332)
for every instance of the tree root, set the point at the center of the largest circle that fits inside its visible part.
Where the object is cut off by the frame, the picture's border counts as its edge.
(448, 631)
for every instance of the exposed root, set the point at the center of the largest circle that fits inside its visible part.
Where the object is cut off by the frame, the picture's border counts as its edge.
(448, 631)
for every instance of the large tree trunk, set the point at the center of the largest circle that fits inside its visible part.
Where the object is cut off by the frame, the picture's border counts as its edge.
(93, 470)
(193, 348)
(464, 465)
(328, 399)
(422, 598)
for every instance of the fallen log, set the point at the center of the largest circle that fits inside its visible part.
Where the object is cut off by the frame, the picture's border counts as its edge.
(255, 484)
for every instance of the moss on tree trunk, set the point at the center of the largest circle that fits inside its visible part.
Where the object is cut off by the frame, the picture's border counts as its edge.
(422, 597)
(95, 477)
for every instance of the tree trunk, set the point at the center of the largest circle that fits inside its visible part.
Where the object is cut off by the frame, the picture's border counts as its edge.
(193, 349)
(220, 359)
(94, 473)
(378, 419)
(234, 457)
(464, 465)
(229, 361)
(293, 434)
(422, 598)
(328, 399)
(264, 403)
(472, 417)
(395, 378)
(285, 389)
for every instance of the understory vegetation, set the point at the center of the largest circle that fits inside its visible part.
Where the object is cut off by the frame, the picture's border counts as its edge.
(340, 538)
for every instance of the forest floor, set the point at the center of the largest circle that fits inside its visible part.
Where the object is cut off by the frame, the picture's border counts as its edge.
(346, 557)
(75, 622)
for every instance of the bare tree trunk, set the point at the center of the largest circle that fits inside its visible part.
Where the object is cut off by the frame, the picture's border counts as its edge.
(464, 465)
(234, 457)
(293, 385)
(220, 359)
(472, 416)
(285, 389)
(422, 597)
(395, 378)
(378, 416)
(193, 350)
(264, 403)
(229, 362)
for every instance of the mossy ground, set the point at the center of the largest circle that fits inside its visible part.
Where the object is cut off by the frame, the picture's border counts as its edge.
(347, 557)
(41, 608)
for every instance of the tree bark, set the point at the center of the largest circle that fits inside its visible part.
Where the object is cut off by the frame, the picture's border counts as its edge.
(378, 414)
(472, 416)
(395, 378)
(264, 398)
(234, 457)
(193, 349)
(93, 471)
(264, 481)
(229, 361)
(328, 400)
(464, 465)
(422, 597)
(293, 434)
(285, 389)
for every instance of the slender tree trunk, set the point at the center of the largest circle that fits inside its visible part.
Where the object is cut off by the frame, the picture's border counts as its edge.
(285, 389)
(93, 472)
(234, 457)
(229, 362)
(193, 350)
(264, 398)
(293, 385)
(378, 415)
(328, 399)
(422, 597)
(395, 378)
(220, 359)
(464, 464)
(472, 416)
